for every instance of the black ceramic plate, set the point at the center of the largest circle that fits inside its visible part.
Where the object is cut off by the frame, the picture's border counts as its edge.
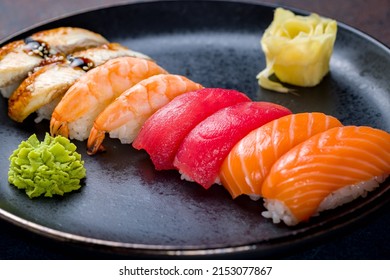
(128, 207)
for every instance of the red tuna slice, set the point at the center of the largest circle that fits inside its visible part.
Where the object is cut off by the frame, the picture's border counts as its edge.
(163, 132)
(202, 152)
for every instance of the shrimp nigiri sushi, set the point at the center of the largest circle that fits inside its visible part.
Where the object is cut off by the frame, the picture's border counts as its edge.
(250, 160)
(124, 117)
(203, 150)
(163, 132)
(20, 57)
(73, 117)
(45, 87)
(325, 171)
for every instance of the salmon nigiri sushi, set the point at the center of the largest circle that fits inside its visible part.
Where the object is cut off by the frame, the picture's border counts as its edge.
(327, 170)
(163, 132)
(203, 150)
(250, 160)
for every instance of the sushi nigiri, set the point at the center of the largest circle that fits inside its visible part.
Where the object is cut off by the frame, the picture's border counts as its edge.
(163, 132)
(20, 57)
(325, 171)
(45, 87)
(73, 117)
(250, 160)
(203, 150)
(124, 117)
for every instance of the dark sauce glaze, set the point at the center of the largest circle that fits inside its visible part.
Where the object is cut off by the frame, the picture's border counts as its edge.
(36, 47)
(82, 62)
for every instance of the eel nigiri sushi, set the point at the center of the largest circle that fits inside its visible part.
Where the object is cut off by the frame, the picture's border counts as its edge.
(73, 117)
(250, 160)
(124, 117)
(42, 90)
(203, 150)
(325, 171)
(163, 132)
(20, 57)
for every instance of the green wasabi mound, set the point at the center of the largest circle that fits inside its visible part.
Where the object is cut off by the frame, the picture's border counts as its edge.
(46, 168)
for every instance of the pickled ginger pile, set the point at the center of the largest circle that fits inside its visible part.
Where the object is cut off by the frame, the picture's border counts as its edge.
(297, 50)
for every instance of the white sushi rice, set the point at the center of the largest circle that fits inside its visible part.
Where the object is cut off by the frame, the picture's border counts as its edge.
(277, 211)
(81, 128)
(184, 176)
(350, 193)
(126, 133)
(45, 112)
(254, 197)
(7, 91)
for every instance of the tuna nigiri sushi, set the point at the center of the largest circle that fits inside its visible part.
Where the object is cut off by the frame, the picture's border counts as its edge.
(250, 160)
(164, 131)
(327, 170)
(203, 150)
(124, 117)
